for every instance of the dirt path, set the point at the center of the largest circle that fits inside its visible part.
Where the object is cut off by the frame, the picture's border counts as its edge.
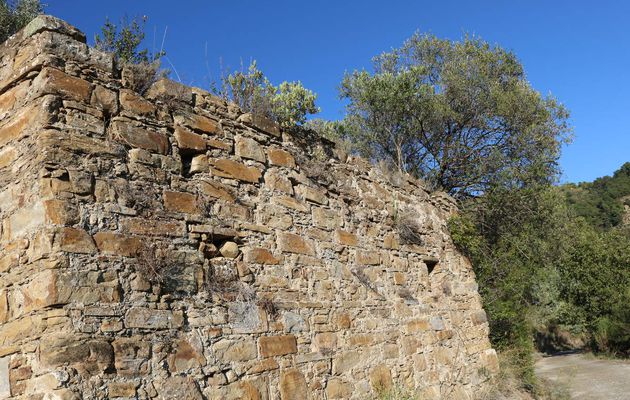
(587, 377)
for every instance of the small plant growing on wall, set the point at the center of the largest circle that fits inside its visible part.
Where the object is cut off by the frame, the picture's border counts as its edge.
(407, 225)
(141, 68)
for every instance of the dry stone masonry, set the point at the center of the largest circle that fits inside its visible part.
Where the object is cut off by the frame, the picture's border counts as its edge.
(167, 246)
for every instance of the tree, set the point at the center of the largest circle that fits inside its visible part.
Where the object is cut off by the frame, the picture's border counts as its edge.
(288, 104)
(14, 15)
(460, 115)
(125, 42)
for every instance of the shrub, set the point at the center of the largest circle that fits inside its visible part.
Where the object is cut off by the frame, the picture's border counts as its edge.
(612, 334)
(124, 41)
(288, 104)
(408, 227)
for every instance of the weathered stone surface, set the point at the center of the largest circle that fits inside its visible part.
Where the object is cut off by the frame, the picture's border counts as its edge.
(490, 360)
(292, 243)
(346, 238)
(216, 190)
(326, 342)
(199, 164)
(311, 194)
(29, 118)
(178, 387)
(60, 212)
(198, 123)
(4, 307)
(479, 318)
(249, 148)
(180, 202)
(140, 226)
(229, 250)
(58, 350)
(24, 221)
(261, 123)
(186, 357)
(168, 90)
(105, 99)
(145, 318)
(293, 385)
(418, 325)
(132, 102)
(5, 385)
(189, 142)
(290, 202)
(136, 136)
(7, 156)
(53, 81)
(325, 218)
(368, 258)
(260, 256)
(75, 240)
(344, 362)
(271, 346)
(274, 180)
(230, 351)
(337, 389)
(131, 356)
(116, 243)
(122, 389)
(280, 157)
(79, 144)
(235, 170)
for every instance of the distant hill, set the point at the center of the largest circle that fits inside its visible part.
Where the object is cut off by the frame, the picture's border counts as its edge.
(605, 202)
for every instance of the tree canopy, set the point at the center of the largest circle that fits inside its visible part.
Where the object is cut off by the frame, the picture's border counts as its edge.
(14, 15)
(601, 202)
(461, 115)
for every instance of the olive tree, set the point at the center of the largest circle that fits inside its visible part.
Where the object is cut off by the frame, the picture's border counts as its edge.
(459, 114)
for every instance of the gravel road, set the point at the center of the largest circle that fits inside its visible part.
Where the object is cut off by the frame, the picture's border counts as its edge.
(587, 377)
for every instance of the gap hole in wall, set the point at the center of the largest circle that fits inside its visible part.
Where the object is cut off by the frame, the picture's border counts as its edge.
(186, 163)
(431, 263)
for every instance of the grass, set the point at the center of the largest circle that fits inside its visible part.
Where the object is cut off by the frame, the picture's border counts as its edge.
(395, 393)
(508, 384)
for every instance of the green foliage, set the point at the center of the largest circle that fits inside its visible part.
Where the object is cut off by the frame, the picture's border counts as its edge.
(125, 41)
(460, 115)
(332, 130)
(288, 104)
(612, 333)
(601, 202)
(14, 15)
(542, 268)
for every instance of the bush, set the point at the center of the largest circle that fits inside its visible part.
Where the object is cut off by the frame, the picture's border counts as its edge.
(612, 334)
(124, 41)
(508, 383)
(288, 104)
(16, 15)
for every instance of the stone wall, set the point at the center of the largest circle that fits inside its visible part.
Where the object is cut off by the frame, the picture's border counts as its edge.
(166, 246)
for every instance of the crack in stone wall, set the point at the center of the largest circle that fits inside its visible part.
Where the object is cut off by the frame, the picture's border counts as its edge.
(170, 246)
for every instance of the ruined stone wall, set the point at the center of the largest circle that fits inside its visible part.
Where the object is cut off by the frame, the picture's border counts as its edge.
(168, 246)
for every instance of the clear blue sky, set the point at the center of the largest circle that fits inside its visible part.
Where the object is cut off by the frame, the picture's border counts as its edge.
(577, 50)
